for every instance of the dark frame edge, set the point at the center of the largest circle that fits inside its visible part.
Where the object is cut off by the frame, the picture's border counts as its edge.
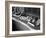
(6, 19)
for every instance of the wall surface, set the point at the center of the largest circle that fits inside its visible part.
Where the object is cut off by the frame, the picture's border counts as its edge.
(2, 19)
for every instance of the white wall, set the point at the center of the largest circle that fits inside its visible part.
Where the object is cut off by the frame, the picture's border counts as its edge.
(2, 19)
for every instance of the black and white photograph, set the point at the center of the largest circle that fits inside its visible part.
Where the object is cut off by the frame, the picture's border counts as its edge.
(25, 18)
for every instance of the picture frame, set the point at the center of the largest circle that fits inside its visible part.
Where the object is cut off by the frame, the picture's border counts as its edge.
(9, 29)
